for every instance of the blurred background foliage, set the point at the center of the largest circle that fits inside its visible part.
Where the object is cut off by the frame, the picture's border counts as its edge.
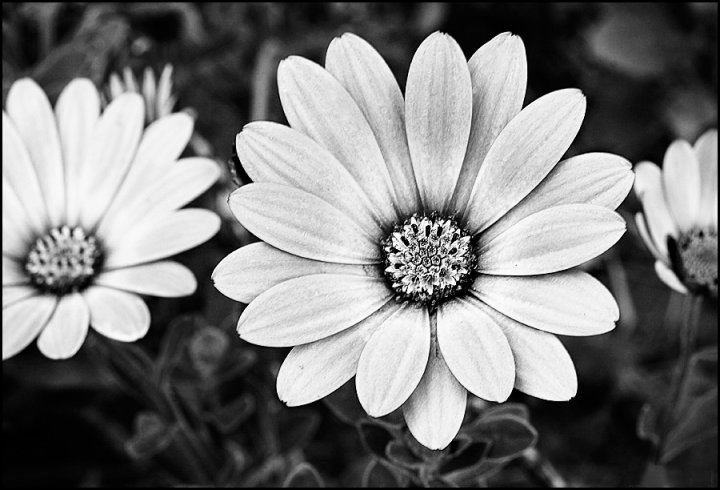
(192, 404)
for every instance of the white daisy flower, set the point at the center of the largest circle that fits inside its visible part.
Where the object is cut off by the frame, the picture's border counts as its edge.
(422, 244)
(679, 222)
(157, 93)
(90, 207)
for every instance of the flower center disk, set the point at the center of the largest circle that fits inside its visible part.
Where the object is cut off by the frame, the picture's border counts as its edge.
(698, 251)
(428, 259)
(63, 260)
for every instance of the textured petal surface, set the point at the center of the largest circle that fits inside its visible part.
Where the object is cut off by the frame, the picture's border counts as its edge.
(66, 331)
(166, 279)
(393, 361)
(438, 113)
(13, 294)
(22, 322)
(667, 276)
(13, 272)
(706, 149)
(523, 155)
(310, 308)
(681, 183)
(564, 303)
(253, 269)
(476, 350)
(116, 314)
(17, 231)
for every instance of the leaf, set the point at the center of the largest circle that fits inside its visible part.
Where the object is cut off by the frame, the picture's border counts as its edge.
(375, 437)
(152, 435)
(304, 475)
(207, 348)
(510, 435)
(379, 475)
(400, 455)
(228, 417)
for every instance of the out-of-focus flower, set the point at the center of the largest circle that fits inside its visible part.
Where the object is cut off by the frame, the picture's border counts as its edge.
(680, 212)
(157, 93)
(90, 207)
(422, 244)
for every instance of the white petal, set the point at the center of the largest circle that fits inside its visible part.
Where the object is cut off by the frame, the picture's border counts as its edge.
(316, 104)
(302, 224)
(393, 361)
(523, 154)
(602, 179)
(30, 110)
(476, 350)
(667, 276)
(649, 242)
(435, 410)
(17, 232)
(116, 314)
(162, 237)
(23, 321)
(13, 272)
(551, 240)
(681, 183)
(498, 71)
(313, 371)
(66, 331)
(438, 114)
(543, 367)
(706, 149)
(310, 308)
(13, 294)
(659, 220)
(564, 303)
(167, 279)
(111, 152)
(647, 176)
(253, 269)
(77, 112)
(276, 154)
(366, 76)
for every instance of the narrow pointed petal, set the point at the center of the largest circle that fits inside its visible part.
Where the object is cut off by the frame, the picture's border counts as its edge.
(166, 279)
(476, 350)
(253, 269)
(435, 410)
(22, 322)
(316, 104)
(393, 361)
(13, 273)
(116, 314)
(310, 308)
(523, 155)
(313, 371)
(13, 294)
(438, 113)
(368, 79)
(498, 71)
(66, 331)
(667, 276)
(681, 183)
(565, 303)
(17, 230)
(706, 149)
(551, 240)
(302, 224)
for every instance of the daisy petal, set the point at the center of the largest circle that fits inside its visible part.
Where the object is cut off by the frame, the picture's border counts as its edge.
(601, 179)
(498, 71)
(253, 269)
(438, 114)
(275, 154)
(647, 176)
(645, 235)
(551, 240)
(667, 276)
(162, 237)
(302, 224)
(22, 322)
(368, 79)
(316, 104)
(393, 361)
(13, 294)
(476, 350)
(564, 303)
(30, 110)
(543, 367)
(523, 154)
(116, 314)
(13, 273)
(658, 218)
(706, 149)
(313, 371)
(66, 331)
(310, 308)
(681, 183)
(435, 410)
(166, 279)
(77, 112)
(17, 232)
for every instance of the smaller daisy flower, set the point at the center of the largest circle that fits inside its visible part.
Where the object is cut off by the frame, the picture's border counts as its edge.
(158, 94)
(680, 213)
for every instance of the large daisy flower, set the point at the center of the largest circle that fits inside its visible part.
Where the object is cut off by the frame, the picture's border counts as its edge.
(422, 244)
(679, 222)
(90, 207)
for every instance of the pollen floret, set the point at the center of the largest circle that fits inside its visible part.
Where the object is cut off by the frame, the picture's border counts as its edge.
(428, 259)
(63, 260)
(696, 259)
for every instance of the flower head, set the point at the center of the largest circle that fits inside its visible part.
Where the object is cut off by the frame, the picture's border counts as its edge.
(90, 207)
(157, 93)
(422, 243)
(679, 219)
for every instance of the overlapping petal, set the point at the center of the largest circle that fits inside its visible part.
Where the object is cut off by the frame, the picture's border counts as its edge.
(166, 279)
(117, 314)
(22, 322)
(706, 149)
(681, 182)
(65, 333)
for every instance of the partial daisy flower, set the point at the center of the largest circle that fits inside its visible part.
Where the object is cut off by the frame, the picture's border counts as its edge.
(90, 208)
(422, 244)
(679, 222)
(157, 93)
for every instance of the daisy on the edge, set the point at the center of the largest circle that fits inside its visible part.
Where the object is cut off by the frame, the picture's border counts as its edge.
(90, 208)
(679, 222)
(422, 244)
(157, 93)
